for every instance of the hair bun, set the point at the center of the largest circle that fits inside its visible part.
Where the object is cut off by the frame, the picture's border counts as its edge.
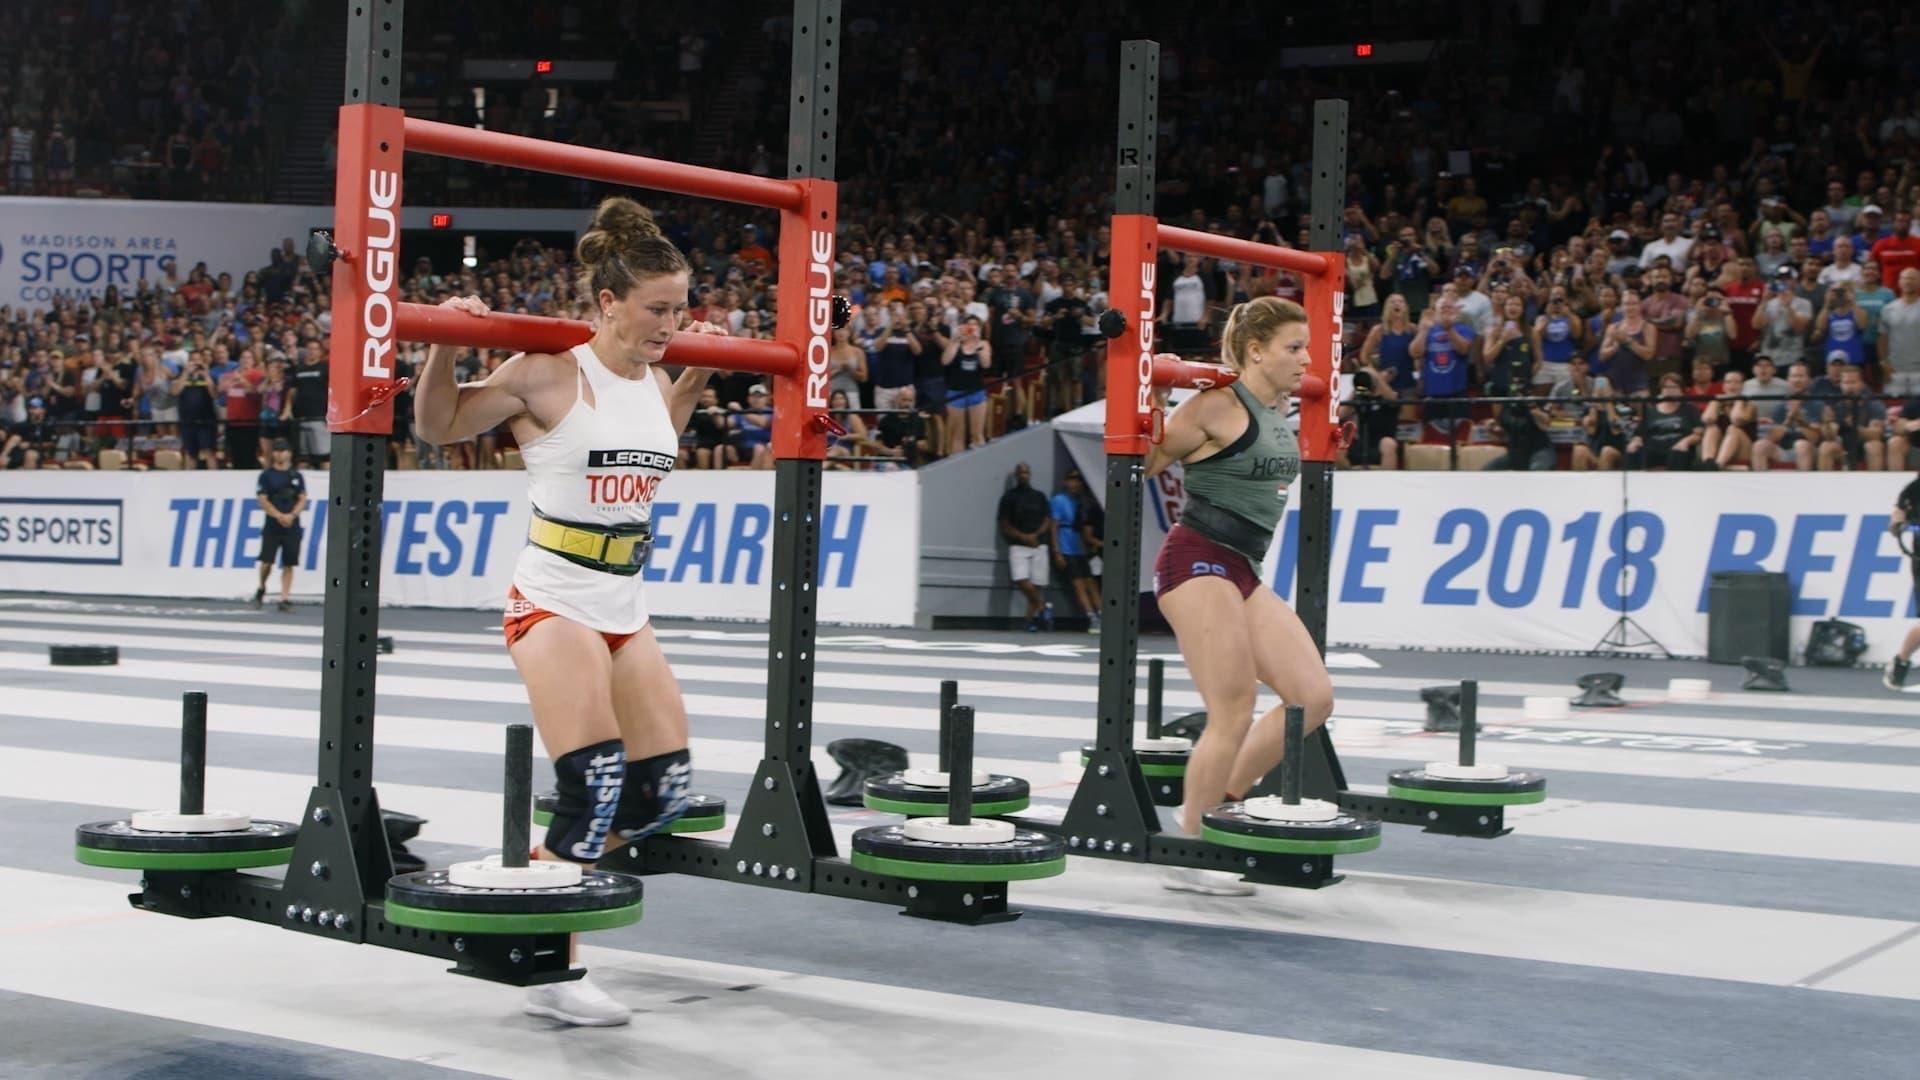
(619, 223)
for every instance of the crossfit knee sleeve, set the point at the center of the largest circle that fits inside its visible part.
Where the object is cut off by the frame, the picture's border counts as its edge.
(655, 795)
(589, 783)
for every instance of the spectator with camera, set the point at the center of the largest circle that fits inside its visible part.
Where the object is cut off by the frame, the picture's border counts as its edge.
(199, 418)
(1444, 346)
(1839, 330)
(707, 441)
(1709, 332)
(1784, 320)
(1411, 268)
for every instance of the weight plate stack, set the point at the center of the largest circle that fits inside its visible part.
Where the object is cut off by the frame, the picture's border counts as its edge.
(83, 655)
(119, 845)
(426, 900)
(1511, 789)
(705, 813)
(1232, 826)
(888, 850)
(893, 795)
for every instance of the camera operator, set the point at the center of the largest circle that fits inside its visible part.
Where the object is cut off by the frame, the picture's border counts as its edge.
(1904, 523)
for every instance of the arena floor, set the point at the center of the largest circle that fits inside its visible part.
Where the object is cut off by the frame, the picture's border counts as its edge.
(1720, 888)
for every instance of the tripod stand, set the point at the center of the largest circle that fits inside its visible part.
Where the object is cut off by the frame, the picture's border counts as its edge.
(1625, 635)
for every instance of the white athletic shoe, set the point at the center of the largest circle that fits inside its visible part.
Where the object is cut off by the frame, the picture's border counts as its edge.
(1205, 882)
(577, 1002)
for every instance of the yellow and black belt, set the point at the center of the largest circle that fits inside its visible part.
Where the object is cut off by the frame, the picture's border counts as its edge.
(612, 549)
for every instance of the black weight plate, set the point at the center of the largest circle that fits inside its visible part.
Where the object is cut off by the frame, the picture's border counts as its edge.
(892, 842)
(1167, 790)
(997, 789)
(120, 836)
(429, 890)
(1233, 818)
(1514, 783)
(83, 655)
(698, 806)
(1163, 758)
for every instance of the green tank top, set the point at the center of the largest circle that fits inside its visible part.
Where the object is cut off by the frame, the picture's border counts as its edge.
(1237, 496)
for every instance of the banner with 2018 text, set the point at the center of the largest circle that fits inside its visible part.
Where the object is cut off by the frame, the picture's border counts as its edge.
(450, 539)
(1550, 561)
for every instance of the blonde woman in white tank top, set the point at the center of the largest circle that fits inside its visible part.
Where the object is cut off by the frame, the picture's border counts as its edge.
(598, 427)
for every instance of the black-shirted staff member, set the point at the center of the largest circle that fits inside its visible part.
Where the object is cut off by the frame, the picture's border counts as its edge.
(1026, 520)
(1905, 524)
(283, 494)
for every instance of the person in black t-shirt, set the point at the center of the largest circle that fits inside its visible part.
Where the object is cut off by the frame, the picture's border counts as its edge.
(30, 441)
(1904, 523)
(1067, 317)
(308, 407)
(1026, 521)
(283, 494)
(705, 438)
(1669, 433)
(903, 434)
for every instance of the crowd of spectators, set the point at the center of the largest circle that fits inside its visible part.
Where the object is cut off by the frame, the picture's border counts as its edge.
(119, 98)
(1568, 208)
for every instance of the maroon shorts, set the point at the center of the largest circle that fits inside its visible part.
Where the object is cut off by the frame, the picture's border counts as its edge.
(1186, 555)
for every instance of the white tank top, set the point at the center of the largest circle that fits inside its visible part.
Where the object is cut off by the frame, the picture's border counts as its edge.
(600, 465)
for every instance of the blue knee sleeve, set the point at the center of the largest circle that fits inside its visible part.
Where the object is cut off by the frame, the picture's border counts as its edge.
(590, 784)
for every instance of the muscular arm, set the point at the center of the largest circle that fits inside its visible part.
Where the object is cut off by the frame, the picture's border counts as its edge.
(1189, 428)
(444, 411)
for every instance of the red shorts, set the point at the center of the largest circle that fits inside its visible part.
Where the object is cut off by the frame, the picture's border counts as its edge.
(1187, 555)
(521, 616)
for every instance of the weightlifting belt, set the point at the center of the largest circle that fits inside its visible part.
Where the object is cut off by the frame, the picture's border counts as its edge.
(1223, 526)
(616, 549)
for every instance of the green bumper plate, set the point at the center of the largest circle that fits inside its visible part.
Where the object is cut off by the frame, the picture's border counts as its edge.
(463, 922)
(932, 809)
(927, 871)
(182, 860)
(1146, 769)
(1466, 798)
(1246, 842)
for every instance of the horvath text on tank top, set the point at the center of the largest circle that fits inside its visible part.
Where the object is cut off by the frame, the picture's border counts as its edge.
(600, 466)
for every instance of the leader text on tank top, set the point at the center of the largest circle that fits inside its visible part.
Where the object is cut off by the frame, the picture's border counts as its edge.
(600, 466)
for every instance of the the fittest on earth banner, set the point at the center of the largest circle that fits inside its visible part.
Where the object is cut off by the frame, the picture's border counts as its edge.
(450, 539)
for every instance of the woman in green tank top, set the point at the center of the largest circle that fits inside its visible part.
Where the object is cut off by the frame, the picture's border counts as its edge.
(1239, 457)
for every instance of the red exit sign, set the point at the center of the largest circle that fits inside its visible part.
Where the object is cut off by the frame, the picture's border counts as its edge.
(441, 221)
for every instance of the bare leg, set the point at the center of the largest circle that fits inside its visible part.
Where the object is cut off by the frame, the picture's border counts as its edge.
(1288, 662)
(1205, 615)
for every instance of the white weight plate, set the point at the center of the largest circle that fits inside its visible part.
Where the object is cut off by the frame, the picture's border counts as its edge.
(1270, 808)
(1689, 689)
(934, 778)
(1546, 708)
(1169, 745)
(1453, 770)
(942, 831)
(173, 821)
(487, 873)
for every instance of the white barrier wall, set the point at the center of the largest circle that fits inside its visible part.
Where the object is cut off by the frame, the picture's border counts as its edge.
(1491, 560)
(77, 247)
(1535, 560)
(450, 539)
